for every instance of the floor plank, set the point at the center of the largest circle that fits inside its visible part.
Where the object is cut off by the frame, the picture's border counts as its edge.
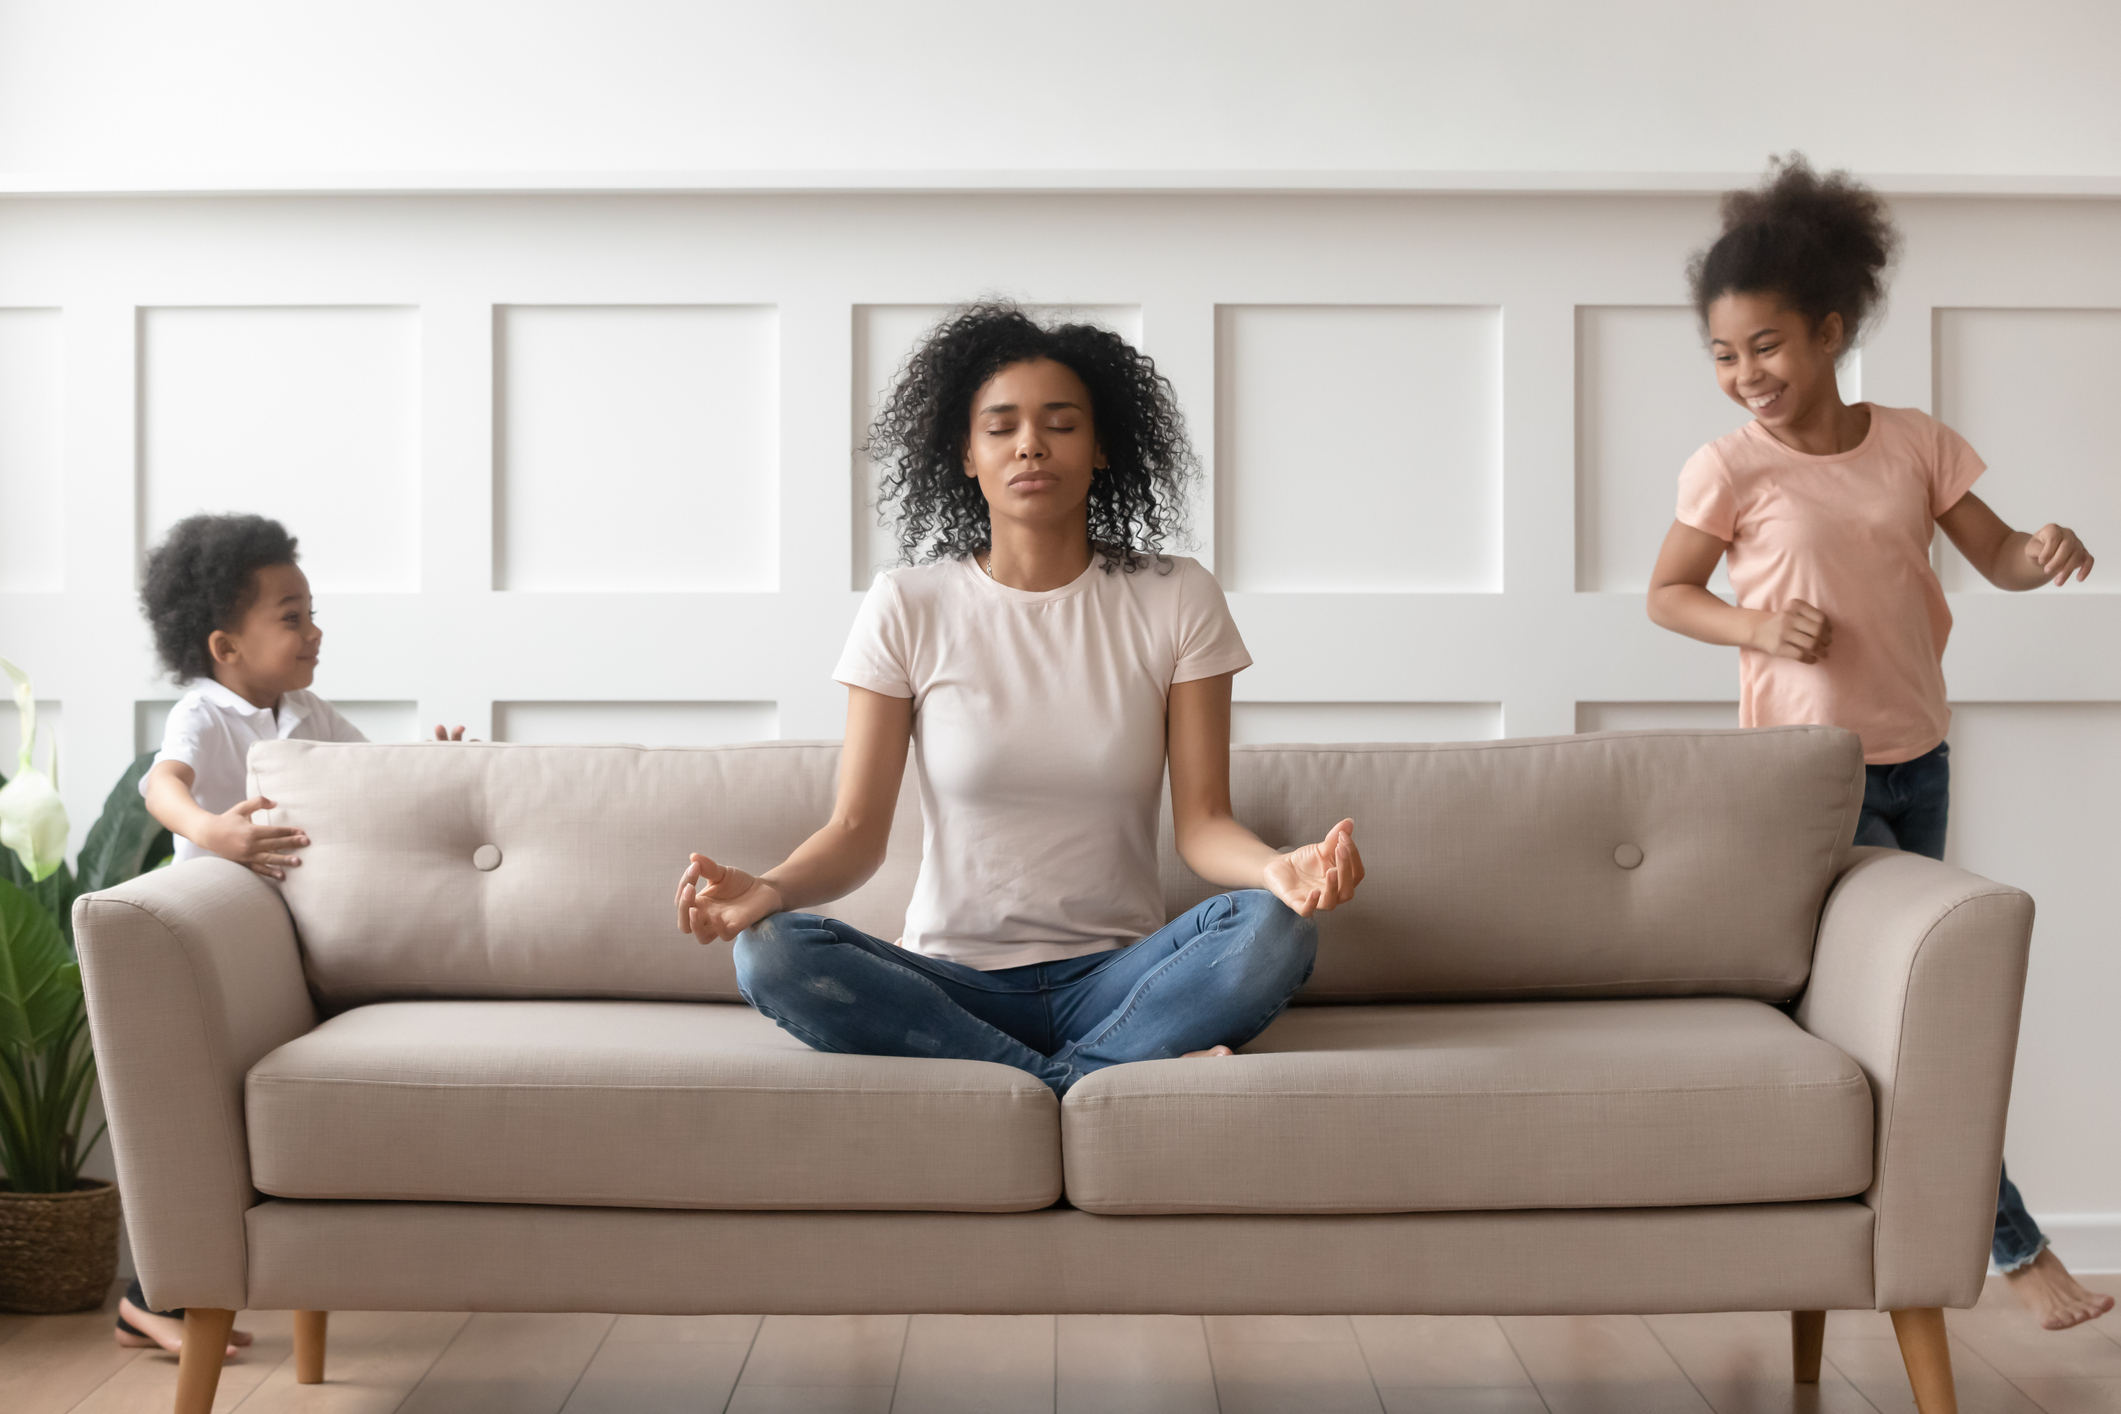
(1133, 1365)
(811, 1399)
(2065, 1396)
(977, 1365)
(148, 1385)
(2008, 1337)
(1740, 1363)
(1431, 1400)
(1874, 1367)
(1601, 1365)
(659, 1377)
(1438, 1352)
(372, 1360)
(1290, 1365)
(510, 1363)
(53, 1363)
(826, 1351)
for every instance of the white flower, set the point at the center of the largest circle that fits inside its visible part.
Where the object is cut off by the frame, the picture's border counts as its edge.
(32, 818)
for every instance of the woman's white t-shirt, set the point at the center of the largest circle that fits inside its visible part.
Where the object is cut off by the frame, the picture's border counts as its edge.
(1038, 739)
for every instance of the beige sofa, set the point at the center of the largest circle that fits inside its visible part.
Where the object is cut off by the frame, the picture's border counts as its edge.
(464, 1060)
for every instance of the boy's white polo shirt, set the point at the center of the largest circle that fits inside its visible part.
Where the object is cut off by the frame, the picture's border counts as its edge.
(212, 730)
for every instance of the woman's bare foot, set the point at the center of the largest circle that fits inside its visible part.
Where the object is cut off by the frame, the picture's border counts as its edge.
(164, 1331)
(2052, 1294)
(1211, 1051)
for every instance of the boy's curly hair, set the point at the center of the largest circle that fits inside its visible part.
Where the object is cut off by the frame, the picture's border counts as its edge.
(1821, 245)
(1137, 502)
(203, 577)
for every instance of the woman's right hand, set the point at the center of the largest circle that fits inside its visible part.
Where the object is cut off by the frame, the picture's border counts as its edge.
(717, 902)
(1799, 631)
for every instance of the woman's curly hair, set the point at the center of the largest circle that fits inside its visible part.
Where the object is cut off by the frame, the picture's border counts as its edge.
(1137, 500)
(203, 577)
(1821, 245)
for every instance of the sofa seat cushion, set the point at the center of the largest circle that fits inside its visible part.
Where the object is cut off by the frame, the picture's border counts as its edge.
(1435, 1108)
(637, 1105)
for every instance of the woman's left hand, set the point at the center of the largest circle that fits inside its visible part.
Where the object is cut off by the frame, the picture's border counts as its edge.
(1319, 877)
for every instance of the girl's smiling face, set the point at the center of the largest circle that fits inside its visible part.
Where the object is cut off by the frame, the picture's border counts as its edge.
(1771, 360)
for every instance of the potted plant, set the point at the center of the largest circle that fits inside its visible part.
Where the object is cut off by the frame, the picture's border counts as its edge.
(58, 1230)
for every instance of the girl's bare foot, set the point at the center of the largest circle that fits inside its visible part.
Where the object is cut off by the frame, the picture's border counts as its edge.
(2052, 1294)
(1211, 1051)
(164, 1331)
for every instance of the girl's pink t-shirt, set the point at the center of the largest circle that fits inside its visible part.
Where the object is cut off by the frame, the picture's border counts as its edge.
(1850, 535)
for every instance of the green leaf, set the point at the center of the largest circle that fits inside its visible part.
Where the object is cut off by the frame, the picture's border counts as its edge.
(55, 891)
(40, 983)
(125, 839)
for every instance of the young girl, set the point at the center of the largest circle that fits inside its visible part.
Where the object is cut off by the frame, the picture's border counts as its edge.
(231, 617)
(1826, 511)
(1045, 665)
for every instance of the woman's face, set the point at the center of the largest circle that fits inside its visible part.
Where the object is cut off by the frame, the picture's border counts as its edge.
(1032, 446)
(1771, 360)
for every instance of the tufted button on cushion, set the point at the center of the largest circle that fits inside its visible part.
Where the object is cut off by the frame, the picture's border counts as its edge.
(1627, 856)
(488, 856)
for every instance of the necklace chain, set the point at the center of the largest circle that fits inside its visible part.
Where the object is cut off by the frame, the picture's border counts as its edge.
(989, 566)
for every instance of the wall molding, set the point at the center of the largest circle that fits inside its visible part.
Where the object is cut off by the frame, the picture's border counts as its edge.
(1144, 181)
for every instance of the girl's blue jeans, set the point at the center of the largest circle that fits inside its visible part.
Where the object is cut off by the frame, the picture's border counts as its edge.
(1904, 807)
(1214, 976)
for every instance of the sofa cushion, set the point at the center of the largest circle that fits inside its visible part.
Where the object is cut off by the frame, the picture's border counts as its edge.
(1620, 864)
(639, 1105)
(489, 870)
(1616, 1104)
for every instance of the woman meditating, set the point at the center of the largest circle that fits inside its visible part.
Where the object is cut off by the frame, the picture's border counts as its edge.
(1045, 662)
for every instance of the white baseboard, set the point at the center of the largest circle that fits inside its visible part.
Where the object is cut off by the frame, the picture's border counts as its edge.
(2086, 1242)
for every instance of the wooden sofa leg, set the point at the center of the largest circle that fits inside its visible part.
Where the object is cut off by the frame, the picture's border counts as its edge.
(309, 1346)
(1807, 1339)
(199, 1363)
(1928, 1355)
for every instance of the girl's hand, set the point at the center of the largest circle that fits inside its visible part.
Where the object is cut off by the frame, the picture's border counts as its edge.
(2056, 552)
(263, 847)
(1319, 877)
(443, 733)
(1799, 631)
(715, 902)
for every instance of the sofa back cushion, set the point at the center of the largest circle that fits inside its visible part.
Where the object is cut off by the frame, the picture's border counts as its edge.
(391, 899)
(1617, 864)
(1621, 864)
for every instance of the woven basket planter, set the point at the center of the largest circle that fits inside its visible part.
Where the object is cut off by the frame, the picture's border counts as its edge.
(58, 1251)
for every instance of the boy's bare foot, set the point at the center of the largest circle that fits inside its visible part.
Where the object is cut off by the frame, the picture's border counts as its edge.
(2052, 1294)
(1211, 1051)
(164, 1331)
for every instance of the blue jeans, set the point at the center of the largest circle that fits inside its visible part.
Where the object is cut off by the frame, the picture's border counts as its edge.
(1904, 807)
(1215, 976)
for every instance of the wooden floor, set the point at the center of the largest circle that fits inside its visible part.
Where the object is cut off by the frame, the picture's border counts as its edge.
(446, 1363)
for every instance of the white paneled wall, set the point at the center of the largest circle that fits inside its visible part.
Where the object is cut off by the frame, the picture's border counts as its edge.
(605, 412)
(662, 723)
(1266, 722)
(32, 476)
(311, 416)
(587, 468)
(2018, 384)
(1376, 429)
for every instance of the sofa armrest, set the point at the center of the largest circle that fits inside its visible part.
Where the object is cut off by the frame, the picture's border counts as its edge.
(1918, 977)
(192, 976)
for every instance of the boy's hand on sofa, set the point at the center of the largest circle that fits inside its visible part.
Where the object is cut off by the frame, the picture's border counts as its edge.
(1318, 877)
(443, 733)
(716, 902)
(265, 848)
